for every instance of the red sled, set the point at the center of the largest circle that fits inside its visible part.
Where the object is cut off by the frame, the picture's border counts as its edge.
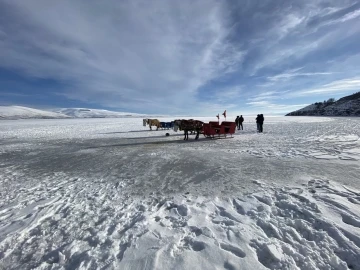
(214, 130)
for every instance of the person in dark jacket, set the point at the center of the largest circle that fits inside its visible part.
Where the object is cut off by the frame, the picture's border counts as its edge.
(241, 120)
(261, 122)
(237, 121)
(257, 122)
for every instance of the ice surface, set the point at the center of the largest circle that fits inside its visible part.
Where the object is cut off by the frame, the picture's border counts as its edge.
(111, 194)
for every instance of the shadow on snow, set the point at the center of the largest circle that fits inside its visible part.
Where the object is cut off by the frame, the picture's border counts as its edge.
(152, 143)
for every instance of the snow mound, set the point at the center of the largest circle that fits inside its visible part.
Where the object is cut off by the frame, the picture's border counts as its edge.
(19, 112)
(95, 113)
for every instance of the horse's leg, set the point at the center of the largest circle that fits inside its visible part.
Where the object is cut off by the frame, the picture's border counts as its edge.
(197, 135)
(184, 135)
(187, 135)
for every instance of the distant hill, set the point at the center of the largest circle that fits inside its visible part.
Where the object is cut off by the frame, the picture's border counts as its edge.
(346, 106)
(19, 112)
(95, 113)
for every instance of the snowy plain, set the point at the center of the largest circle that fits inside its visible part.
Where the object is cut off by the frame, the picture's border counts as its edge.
(110, 194)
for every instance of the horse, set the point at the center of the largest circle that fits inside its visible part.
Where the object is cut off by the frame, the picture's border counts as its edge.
(188, 125)
(151, 122)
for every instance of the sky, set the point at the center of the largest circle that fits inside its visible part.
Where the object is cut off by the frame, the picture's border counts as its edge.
(195, 57)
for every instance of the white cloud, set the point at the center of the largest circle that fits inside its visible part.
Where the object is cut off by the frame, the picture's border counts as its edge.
(277, 54)
(289, 23)
(351, 16)
(264, 97)
(299, 31)
(344, 85)
(155, 56)
(227, 94)
(275, 107)
(122, 53)
(288, 76)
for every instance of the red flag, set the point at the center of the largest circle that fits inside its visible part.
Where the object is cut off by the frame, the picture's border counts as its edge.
(224, 114)
(217, 116)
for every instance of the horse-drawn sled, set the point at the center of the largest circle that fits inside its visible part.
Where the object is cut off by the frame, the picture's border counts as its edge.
(212, 129)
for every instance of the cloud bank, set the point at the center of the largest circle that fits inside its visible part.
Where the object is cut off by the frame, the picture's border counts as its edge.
(182, 56)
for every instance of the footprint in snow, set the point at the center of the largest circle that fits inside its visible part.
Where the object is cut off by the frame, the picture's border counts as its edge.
(190, 243)
(229, 266)
(350, 220)
(233, 249)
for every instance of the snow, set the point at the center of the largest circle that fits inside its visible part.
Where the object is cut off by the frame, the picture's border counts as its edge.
(18, 112)
(111, 194)
(95, 113)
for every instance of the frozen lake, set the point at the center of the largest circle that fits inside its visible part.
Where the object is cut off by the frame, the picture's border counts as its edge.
(110, 194)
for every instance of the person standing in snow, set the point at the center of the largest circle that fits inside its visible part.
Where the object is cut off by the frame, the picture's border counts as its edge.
(261, 122)
(257, 123)
(237, 121)
(241, 120)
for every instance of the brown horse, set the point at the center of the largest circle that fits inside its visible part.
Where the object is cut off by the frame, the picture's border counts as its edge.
(188, 125)
(152, 122)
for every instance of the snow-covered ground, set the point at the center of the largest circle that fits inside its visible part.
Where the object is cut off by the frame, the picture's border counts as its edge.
(110, 194)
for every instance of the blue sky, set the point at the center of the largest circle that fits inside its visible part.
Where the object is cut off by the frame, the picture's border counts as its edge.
(178, 57)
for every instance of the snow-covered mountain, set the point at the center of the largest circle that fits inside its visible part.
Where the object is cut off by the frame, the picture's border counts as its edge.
(346, 106)
(95, 113)
(19, 112)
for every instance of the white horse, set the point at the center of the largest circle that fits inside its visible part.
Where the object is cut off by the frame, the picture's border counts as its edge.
(151, 122)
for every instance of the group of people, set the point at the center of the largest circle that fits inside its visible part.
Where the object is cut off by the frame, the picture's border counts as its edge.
(259, 122)
(239, 122)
